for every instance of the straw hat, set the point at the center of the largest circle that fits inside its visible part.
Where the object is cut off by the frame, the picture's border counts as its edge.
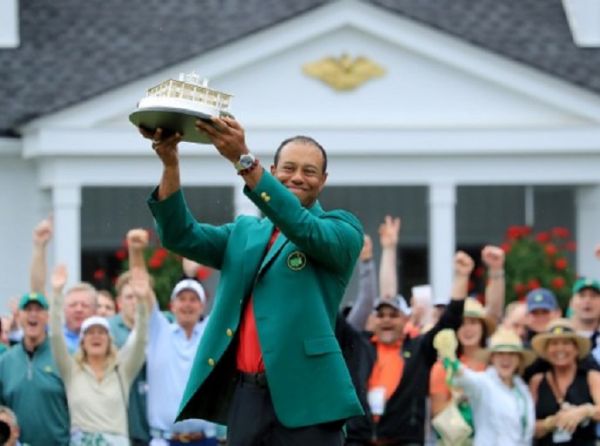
(474, 309)
(507, 341)
(560, 329)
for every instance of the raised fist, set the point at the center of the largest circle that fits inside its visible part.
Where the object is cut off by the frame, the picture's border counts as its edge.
(366, 253)
(389, 231)
(137, 238)
(493, 257)
(463, 263)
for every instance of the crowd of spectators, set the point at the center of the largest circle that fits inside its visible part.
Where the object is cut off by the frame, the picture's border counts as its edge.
(81, 367)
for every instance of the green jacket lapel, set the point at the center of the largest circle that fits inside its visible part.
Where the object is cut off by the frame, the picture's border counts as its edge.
(256, 243)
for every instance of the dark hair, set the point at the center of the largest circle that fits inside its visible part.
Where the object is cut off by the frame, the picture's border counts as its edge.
(482, 341)
(304, 140)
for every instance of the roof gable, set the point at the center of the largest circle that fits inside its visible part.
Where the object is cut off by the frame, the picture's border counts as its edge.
(431, 80)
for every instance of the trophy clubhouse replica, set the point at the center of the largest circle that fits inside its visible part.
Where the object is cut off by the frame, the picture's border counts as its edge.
(176, 105)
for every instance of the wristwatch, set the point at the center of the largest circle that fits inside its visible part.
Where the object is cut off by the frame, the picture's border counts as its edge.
(246, 163)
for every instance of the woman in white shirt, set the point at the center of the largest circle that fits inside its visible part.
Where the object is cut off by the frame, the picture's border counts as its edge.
(503, 409)
(97, 379)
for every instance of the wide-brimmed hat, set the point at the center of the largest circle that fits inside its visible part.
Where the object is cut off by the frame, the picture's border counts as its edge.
(560, 329)
(474, 309)
(505, 340)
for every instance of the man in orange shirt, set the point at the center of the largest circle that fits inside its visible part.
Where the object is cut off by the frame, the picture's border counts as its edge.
(396, 369)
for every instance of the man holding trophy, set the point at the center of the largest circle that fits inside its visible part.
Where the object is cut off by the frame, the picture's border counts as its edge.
(269, 365)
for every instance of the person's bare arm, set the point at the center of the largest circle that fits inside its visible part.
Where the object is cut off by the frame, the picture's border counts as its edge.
(137, 242)
(493, 258)
(463, 265)
(42, 234)
(389, 232)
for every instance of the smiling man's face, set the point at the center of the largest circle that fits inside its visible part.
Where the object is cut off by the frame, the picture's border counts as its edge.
(300, 168)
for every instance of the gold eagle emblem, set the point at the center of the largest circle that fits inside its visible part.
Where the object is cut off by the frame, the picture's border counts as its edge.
(344, 73)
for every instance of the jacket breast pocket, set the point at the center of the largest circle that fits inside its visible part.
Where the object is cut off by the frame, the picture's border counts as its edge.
(321, 346)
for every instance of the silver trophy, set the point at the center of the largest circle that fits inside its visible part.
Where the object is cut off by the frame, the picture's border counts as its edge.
(176, 105)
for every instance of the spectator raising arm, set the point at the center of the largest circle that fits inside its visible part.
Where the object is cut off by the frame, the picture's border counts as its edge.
(42, 234)
(389, 232)
(57, 340)
(367, 287)
(493, 258)
(463, 265)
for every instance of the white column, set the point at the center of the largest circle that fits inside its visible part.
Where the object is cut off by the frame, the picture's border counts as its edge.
(242, 204)
(66, 201)
(442, 202)
(588, 230)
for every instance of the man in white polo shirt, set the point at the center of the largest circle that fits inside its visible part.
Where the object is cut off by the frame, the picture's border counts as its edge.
(170, 354)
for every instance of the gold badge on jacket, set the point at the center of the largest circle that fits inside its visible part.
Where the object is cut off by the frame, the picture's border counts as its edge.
(296, 261)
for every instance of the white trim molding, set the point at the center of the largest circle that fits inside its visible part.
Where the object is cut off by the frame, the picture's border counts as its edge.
(9, 24)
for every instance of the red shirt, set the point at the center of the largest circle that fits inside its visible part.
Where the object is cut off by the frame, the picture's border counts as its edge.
(249, 357)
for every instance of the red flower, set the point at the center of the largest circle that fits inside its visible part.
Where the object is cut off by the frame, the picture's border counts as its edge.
(558, 283)
(532, 284)
(571, 246)
(121, 254)
(505, 247)
(203, 273)
(516, 232)
(99, 274)
(161, 253)
(520, 288)
(155, 262)
(561, 263)
(551, 250)
(560, 232)
(543, 237)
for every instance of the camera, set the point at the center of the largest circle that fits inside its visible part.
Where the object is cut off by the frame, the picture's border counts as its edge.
(4, 432)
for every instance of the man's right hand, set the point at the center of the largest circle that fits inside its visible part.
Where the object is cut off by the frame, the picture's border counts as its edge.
(137, 239)
(43, 232)
(165, 147)
(389, 232)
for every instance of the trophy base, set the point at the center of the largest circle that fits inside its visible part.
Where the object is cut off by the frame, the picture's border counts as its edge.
(171, 121)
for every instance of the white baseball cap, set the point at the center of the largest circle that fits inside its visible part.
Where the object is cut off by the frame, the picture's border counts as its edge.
(189, 284)
(398, 302)
(93, 321)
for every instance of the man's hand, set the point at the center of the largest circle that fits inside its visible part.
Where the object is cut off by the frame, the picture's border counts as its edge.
(493, 257)
(137, 239)
(463, 264)
(190, 267)
(59, 278)
(366, 253)
(389, 232)
(43, 232)
(227, 135)
(165, 147)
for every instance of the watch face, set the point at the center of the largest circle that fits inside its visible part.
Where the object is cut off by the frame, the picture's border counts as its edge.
(246, 160)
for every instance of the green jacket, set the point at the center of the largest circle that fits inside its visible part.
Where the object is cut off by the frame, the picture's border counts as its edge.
(33, 389)
(297, 288)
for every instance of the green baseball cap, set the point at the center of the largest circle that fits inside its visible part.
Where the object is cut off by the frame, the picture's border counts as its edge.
(583, 283)
(27, 298)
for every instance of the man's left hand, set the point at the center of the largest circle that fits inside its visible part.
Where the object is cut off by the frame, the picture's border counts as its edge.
(227, 135)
